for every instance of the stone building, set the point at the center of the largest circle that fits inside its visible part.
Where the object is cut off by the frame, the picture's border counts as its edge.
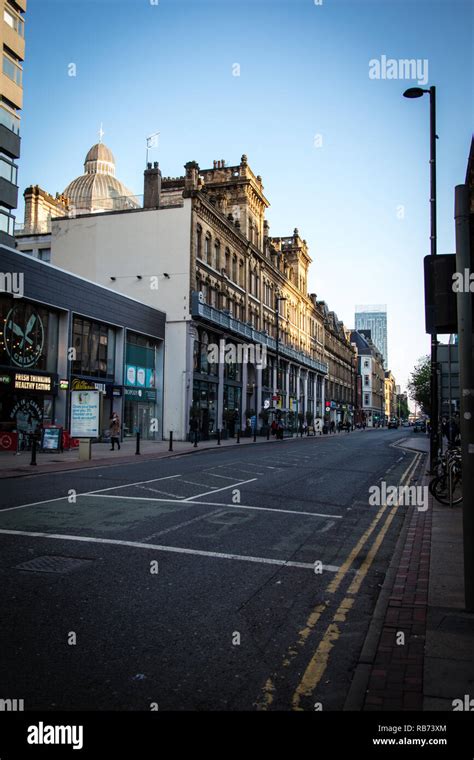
(371, 371)
(244, 339)
(341, 381)
(390, 404)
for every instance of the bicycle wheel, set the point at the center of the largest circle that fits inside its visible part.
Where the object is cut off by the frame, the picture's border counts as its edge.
(438, 486)
(440, 490)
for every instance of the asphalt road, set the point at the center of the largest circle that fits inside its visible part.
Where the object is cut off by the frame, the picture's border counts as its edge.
(236, 579)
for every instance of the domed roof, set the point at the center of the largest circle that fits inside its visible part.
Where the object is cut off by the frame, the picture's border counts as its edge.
(98, 189)
(100, 152)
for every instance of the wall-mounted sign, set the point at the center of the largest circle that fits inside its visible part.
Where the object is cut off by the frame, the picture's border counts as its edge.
(24, 335)
(140, 395)
(139, 377)
(27, 381)
(5, 379)
(63, 385)
(85, 414)
(77, 384)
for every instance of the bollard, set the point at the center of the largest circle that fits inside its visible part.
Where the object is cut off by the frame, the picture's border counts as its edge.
(33, 451)
(218, 437)
(170, 447)
(195, 439)
(268, 433)
(238, 435)
(137, 451)
(255, 435)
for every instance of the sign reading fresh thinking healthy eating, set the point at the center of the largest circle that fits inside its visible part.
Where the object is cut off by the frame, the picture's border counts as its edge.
(85, 414)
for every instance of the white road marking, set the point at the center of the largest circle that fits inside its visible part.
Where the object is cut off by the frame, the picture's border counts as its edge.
(224, 488)
(193, 483)
(145, 488)
(219, 504)
(182, 525)
(86, 493)
(168, 549)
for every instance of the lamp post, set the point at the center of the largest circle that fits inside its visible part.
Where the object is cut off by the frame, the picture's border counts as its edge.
(418, 92)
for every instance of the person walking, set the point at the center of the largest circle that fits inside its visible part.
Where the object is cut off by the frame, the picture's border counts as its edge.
(332, 427)
(114, 431)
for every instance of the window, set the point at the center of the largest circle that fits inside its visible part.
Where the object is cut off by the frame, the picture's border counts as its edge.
(9, 120)
(12, 70)
(366, 363)
(217, 255)
(14, 22)
(95, 349)
(208, 256)
(199, 242)
(227, 262)
(7, 221)
(366, 399)
(44, 254)
(8, 170)
(366, 379)
(234, 268)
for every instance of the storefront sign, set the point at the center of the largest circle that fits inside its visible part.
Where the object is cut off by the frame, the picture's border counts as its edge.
(51, 438)
(139, 377)
(140, 395)
(26, 381)
(8, 441)
(5, 379)
(63, 385)
(87, 385)
(85, 414)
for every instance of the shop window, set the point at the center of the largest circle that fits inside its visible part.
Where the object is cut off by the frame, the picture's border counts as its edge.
(95, 349)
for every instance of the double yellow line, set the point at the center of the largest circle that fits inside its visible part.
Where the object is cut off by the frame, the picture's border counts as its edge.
(319, 661)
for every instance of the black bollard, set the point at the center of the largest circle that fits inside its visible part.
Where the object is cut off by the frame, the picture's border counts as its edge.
(238, 435)
(254, 434)
(218, 437)
(33, 452)
(195, 439)
(170, 447)
(137, 450)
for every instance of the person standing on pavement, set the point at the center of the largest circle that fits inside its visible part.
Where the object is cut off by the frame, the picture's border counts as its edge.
(114, 431)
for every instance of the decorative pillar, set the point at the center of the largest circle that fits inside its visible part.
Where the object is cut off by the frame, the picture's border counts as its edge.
(243, 403)
(258, 395)
(220, 386)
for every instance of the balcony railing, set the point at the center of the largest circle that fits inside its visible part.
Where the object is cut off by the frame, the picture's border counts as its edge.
(243, 330)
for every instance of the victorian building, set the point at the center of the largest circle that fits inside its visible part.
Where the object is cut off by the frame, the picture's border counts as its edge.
(372, 374)
(244, 339)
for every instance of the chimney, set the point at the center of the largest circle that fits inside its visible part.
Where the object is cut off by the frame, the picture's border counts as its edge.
(152, 186)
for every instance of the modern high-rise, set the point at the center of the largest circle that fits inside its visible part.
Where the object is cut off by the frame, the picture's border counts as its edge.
(12, 37)
(374, 318)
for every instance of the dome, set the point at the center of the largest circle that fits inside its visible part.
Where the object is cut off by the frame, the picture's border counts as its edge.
(98, 189)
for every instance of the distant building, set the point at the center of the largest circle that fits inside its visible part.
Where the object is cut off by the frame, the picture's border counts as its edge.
(12, 40)
(370, 368)
(374, 318)
(390, 396)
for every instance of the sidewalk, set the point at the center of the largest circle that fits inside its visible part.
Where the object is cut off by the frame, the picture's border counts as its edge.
(18, 465)
(423, 598)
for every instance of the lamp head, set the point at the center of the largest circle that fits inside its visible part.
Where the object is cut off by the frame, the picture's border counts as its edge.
(414, 92)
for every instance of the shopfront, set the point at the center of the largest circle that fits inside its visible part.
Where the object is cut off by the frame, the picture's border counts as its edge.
(28, 365)
(142, 384)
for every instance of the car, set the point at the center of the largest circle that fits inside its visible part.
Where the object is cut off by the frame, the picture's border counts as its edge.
(419, 426)
(392, 424)
(405, 423)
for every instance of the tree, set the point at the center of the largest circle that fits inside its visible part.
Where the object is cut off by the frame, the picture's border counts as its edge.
(419, 384)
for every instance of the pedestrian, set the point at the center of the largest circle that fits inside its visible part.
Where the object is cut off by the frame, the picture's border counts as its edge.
(332, 427)
(274, 427)
(280, 430)
(114, 431)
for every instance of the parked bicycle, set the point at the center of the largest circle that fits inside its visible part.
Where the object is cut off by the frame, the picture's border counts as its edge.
(446, 486)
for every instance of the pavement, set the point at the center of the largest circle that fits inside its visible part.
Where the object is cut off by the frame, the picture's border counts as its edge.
(419, 651)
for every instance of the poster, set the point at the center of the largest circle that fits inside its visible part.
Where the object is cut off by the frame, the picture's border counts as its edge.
(85, 414)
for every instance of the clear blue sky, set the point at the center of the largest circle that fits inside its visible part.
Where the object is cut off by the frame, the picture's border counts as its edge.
(304, 71)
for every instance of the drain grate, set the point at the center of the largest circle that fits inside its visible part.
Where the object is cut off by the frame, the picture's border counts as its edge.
(52, 564)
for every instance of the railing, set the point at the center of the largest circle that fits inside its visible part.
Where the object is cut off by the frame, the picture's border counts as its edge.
(217, 317)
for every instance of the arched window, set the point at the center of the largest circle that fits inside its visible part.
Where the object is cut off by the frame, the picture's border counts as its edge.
(217, 255)
(227, 262)
(199, 242)
(208, 256)
(234, 268)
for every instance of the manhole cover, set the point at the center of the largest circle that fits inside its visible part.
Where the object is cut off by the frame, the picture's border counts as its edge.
(52, 564)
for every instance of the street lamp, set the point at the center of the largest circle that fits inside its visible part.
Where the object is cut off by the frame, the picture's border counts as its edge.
(418, 92)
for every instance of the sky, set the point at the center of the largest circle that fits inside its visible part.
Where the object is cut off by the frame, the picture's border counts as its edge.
(343, 156)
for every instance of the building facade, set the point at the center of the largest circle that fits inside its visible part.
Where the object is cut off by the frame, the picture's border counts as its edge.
(12, 36)
(390, 407)
(374, 318)
(63, 333)
(244, 339)
(341, 381)
(371, 371)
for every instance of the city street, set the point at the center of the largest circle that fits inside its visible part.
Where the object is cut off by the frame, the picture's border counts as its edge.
(236, 579)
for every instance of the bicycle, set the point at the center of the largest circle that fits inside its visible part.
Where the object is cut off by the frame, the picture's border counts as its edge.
(446, 486)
